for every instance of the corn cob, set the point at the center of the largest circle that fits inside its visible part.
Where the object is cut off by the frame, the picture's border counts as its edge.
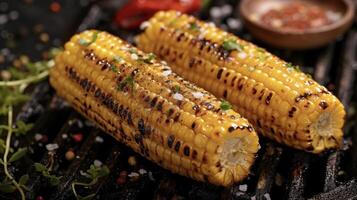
(281, 102)
(141, 103)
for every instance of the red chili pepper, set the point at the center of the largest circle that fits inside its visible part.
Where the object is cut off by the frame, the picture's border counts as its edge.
(136, 11)
(78, 137)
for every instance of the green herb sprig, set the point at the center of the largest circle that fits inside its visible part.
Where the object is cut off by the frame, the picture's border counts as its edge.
(94, 174)
(231, 45)
(12, 94)
(53, 179)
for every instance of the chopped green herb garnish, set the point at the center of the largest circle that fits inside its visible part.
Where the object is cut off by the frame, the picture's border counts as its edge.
(149, 58)
(225, 105)
(231, 45)
(117, 59)
(133, 50)
(128, 81)
(83, 42)
(194, 27)
(176, 89)
(86, 43)
(292, 67)
(113, 68)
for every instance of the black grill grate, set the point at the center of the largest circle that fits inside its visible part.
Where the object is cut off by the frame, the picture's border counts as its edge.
(279, 172)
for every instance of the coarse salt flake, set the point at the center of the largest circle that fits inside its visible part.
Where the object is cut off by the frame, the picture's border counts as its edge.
(97, 163)
(134, 56)
(243, 188)
(178, 96)
(142, 171)
(133, 174)
(242, 55)
(99, 139)
(38, 136)
(197, 95)
(166, 73)
(52, 147)
(144, 25)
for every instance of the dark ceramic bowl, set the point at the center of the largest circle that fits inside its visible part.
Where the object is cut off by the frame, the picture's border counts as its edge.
(299, 39)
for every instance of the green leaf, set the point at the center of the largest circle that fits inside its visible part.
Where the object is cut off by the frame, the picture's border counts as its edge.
(18, 154)
(40, 167)
(98, 172)
(15, 98)
(231, 45)
(23, 179)
(54, 180)
(225, 105)
(104, 171)
(22, 127)
(16, 74)
(88, 197)
(7, 188)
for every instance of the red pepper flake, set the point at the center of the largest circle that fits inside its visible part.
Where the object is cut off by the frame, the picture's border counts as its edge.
(299, 16)
(44, 139)
(78, 137)
(122, 178)
(55, 7)
(40, 198)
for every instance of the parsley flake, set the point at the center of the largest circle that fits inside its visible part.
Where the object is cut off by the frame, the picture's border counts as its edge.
(149, 58)
(292, 67)
(128, 81)
(117, 59)
(176, 89)
(86, 43)
(231, 45)
(113, 68)
(225, 105)
(194, 27)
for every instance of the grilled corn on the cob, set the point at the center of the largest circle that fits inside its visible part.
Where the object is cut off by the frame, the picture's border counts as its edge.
(141, 103)
(280, 101)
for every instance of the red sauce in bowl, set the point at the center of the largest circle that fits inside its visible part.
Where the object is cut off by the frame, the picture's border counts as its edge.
(298, 16)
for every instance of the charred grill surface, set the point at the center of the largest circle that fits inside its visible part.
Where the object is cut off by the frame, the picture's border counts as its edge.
(278, 173)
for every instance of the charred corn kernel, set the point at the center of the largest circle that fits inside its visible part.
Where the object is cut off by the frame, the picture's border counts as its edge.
(141, 103)
(290, 106)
